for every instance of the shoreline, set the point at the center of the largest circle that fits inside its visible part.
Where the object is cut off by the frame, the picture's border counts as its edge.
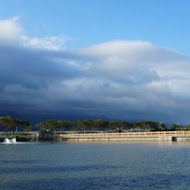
(157, 136)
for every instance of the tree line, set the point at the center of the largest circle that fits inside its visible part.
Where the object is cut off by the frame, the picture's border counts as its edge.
(9, 123)
(102, 125)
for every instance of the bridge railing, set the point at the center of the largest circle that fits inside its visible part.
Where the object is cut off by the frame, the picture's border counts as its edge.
(106, 134)
(128, 134)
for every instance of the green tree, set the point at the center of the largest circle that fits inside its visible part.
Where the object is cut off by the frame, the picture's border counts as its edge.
(79, 126)
(26, 128)
(146, 126)
(5, 123)
(63, 125)
(119, 126)
(47, 125)
(9, 123)
(98, 124)
(177, 127)
(188, 127)
(162, 127)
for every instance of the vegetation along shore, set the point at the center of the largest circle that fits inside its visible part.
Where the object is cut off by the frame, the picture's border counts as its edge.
(9, 124)
(13, 127)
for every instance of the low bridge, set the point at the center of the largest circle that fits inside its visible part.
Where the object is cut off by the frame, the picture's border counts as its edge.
(129, 136)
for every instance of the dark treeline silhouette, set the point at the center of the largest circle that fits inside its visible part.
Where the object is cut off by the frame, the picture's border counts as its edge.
(7, 124)
(107, 126)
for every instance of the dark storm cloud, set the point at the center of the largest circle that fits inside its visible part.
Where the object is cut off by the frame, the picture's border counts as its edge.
(131, 80)
(36, 67)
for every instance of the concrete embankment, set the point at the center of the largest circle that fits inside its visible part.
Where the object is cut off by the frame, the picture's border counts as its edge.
(129, 136)
(102, 136)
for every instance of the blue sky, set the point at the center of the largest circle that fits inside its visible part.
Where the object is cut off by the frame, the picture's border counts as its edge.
(86, 22)
(126, 60)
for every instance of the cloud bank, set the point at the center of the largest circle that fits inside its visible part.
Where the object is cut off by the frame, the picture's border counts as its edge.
(127, 80)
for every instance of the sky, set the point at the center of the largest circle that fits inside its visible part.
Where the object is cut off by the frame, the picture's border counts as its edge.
(116, 60)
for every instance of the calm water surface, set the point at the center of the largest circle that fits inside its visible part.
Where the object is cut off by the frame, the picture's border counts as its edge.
(44, 166)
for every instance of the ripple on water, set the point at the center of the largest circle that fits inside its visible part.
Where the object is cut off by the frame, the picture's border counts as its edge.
(94, 166)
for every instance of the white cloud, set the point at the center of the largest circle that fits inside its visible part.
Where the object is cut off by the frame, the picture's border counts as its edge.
(49, 43)
(12, 32)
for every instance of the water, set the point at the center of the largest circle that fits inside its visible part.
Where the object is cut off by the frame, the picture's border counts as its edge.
(118, 166)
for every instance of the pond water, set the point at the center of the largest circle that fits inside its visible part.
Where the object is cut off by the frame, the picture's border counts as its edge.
(138, 166)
